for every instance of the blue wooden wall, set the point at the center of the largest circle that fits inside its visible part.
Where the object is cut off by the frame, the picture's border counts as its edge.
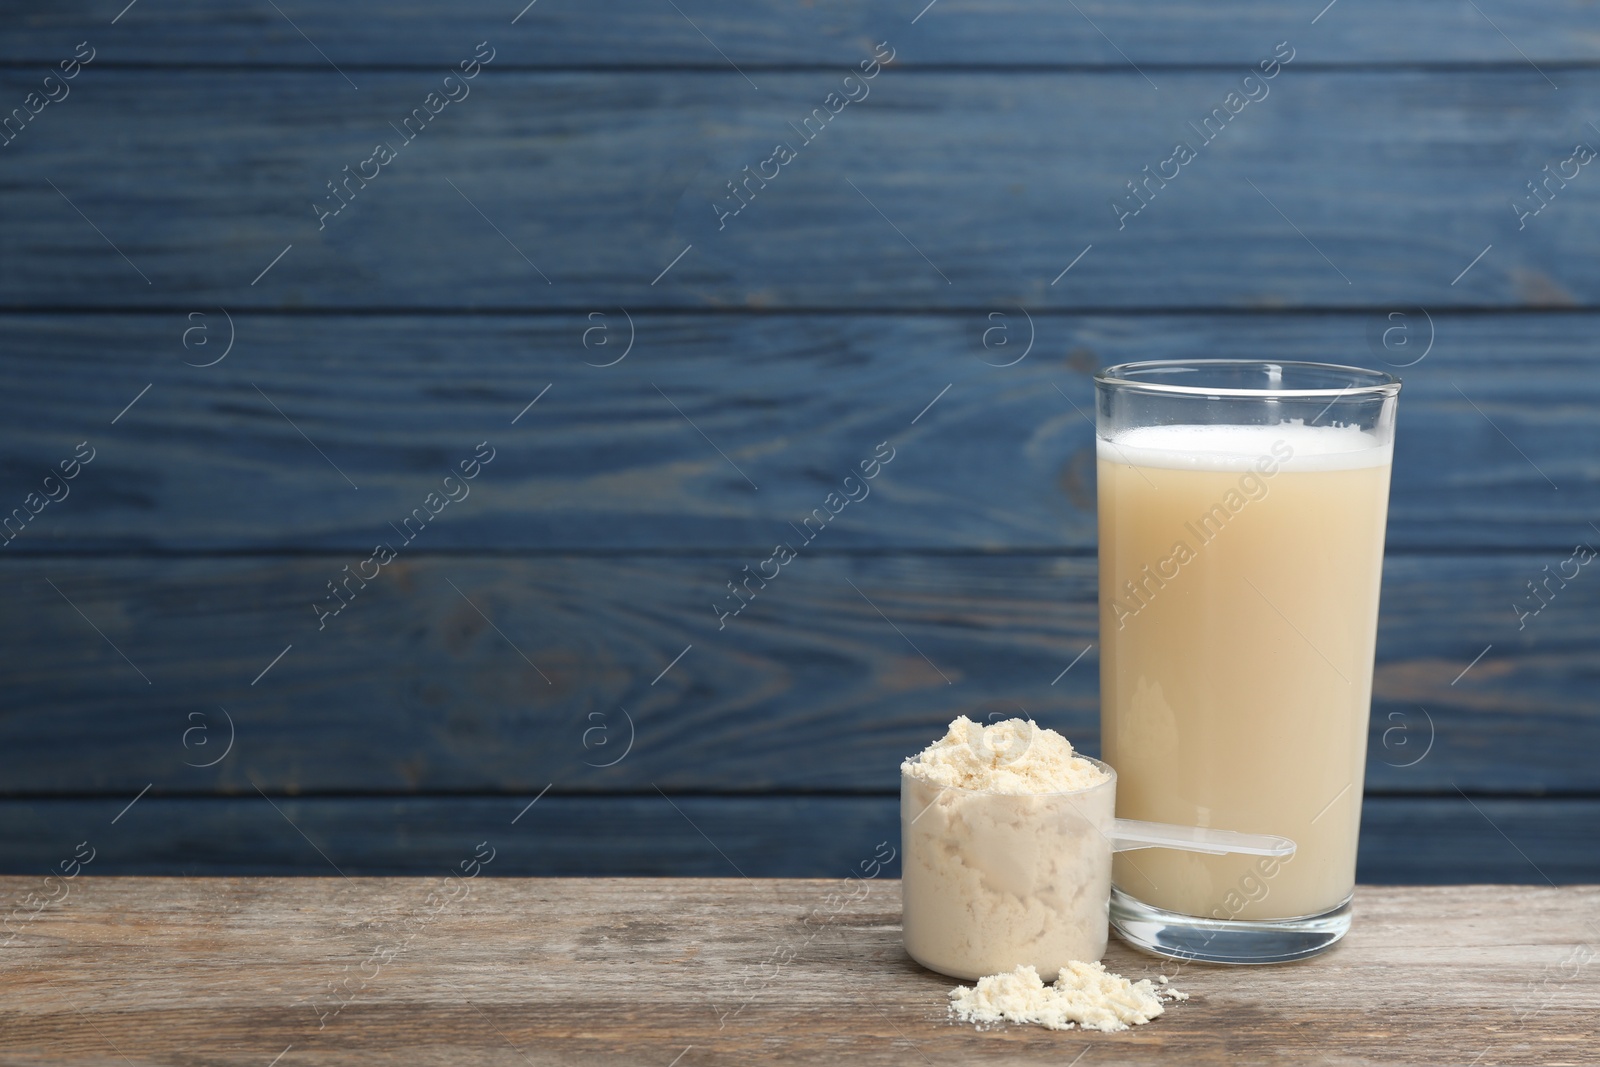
(547, 283)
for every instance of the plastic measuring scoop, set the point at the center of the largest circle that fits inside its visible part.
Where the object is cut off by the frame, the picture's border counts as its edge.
(971, 856)
(1129, 834)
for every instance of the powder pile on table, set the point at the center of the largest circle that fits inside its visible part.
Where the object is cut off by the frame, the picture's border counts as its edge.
(1084, 994)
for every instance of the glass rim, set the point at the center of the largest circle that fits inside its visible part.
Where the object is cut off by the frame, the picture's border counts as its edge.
(1110, 780)
(1380, 383)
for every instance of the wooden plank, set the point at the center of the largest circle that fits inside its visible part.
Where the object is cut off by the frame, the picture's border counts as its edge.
(811, 688)
(621, 32)
(1405, 840)
(940, 190)
(209, 460)
(537, 972)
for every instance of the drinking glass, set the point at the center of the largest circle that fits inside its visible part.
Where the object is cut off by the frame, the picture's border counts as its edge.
(1242, 506)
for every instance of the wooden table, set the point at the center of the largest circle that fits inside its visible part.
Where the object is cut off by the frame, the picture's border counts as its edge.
(689, 972)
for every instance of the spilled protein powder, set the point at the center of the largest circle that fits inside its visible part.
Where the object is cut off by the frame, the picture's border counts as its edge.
(1084, 994)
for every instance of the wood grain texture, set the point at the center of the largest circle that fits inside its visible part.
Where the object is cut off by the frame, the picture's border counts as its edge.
(1372, 188)
(1498, 413)
(1404, 840)
(434, 678)
(536, 972)
(530, 634)
(621, 32)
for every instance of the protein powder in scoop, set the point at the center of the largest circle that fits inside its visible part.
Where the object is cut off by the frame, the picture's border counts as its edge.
(1007, 862)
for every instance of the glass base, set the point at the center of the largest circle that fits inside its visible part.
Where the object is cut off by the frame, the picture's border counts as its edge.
(1192, 937)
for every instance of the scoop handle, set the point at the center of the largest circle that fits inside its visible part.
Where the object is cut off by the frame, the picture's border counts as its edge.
(1127, 834)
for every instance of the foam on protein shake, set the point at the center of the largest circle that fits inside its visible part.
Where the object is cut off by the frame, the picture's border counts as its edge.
(1229, 448)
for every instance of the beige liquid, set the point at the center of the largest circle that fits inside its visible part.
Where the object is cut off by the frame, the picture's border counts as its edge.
(1236, 680)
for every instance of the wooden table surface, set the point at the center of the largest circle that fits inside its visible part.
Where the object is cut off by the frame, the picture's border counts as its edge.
(688, 972)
